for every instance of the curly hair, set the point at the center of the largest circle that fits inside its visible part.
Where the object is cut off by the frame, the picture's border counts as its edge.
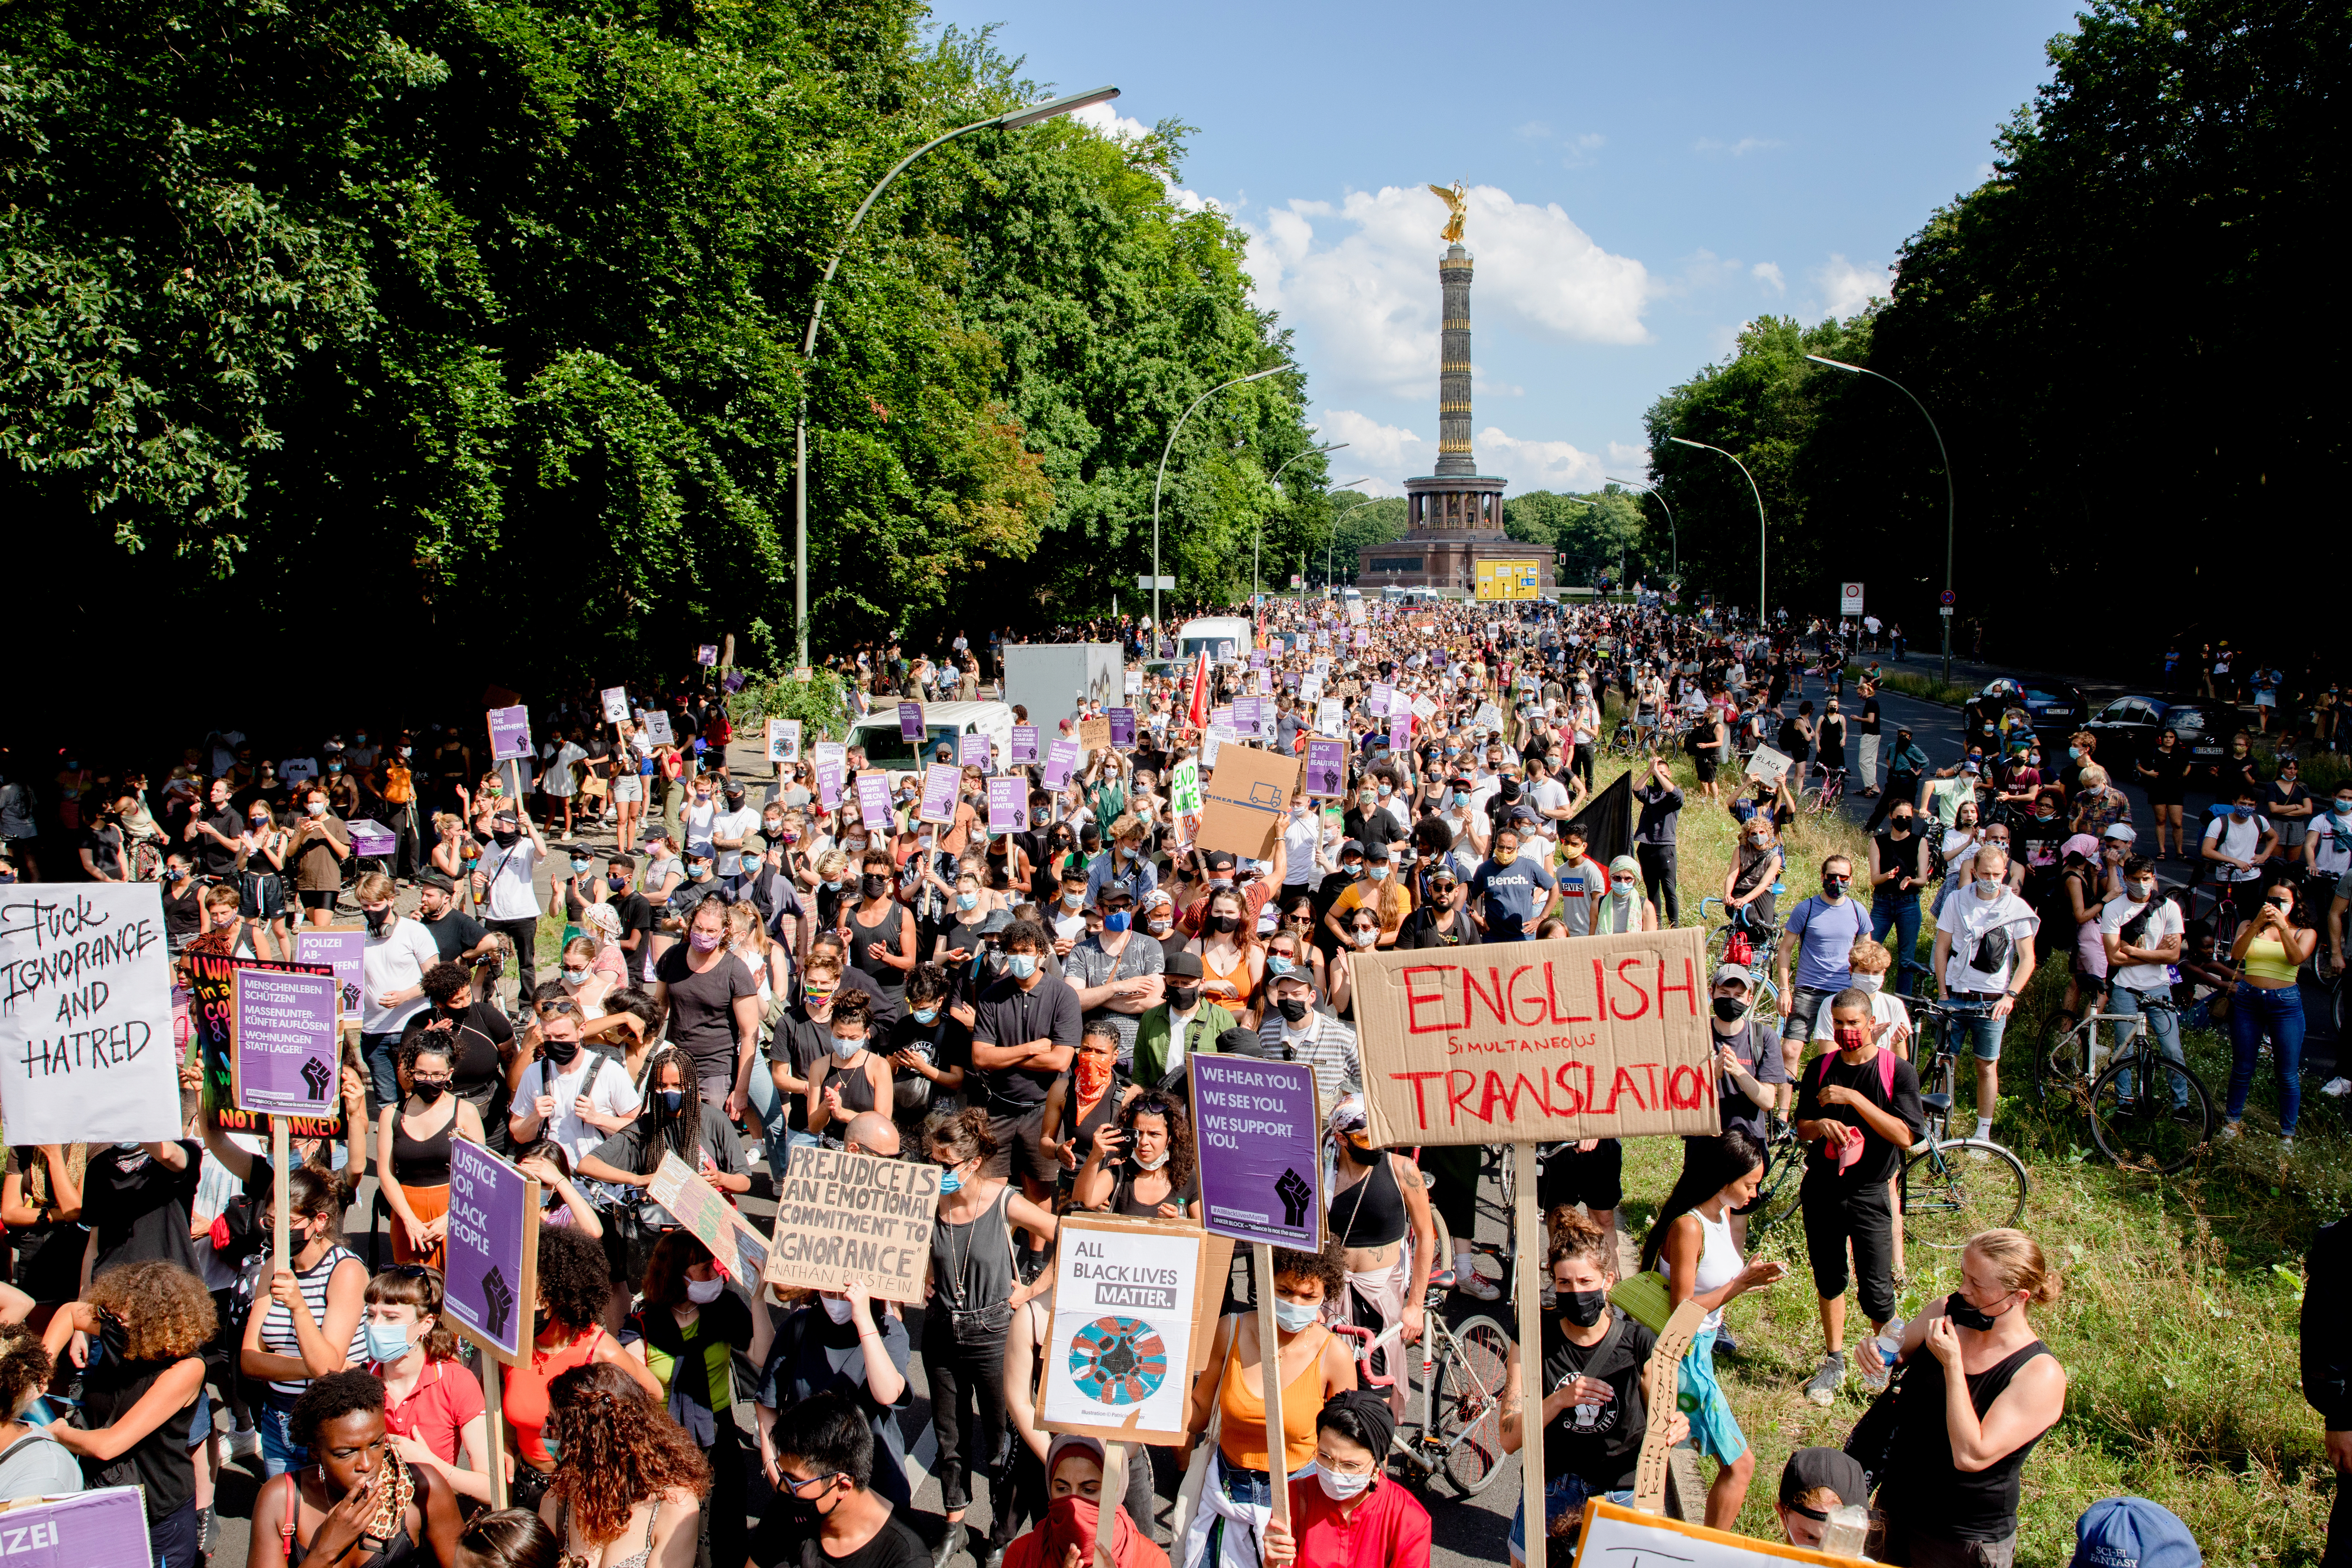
(421, 1289)
(1171, 1111)
(24, 1368)
(674, 1254)
(444, 983)
(509, 1538)
(167, 1310)
(330, 1398)
(436, 1044)
(574, 1280)
(617, 1453)
(1327, 1266)
(1573, 1235)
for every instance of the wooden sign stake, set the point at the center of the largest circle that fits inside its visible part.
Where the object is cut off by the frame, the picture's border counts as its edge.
(1530, 1246)
(281, 1220)
(1269, 1376)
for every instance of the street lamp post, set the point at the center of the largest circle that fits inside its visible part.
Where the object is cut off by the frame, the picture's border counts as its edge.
(1761, 614)
(1334, 537)
(1013, 120)
(1673, 535)
(1271, 481)
(1171, 446)
(1950, 505)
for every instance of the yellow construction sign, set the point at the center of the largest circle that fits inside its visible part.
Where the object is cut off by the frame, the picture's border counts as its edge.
(1508, 580)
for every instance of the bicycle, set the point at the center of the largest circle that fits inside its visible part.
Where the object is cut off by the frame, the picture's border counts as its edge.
(1953, 1188)
(1825, 796)
(2157, 1120)
(1778, 1190)
(1764, 943)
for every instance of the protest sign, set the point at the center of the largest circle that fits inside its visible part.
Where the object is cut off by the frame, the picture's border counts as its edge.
(1024, 745)
(510, 735)
(1008, 805)
(1378, 697)
(1330, 715)
(1327, 769)
(975, 751)
(1266, 683)
(1599, 1036)
(842, 1216)
(342, 949)
(829, 751)
(211, 993)
(284, 1041)
(1184, 788)
(1257, 658)
(492, 1277)
(739, 1252)
(1220, 717)
(1310, 690)
(1255, 1124)
(783, 738)
(706, 653)
(732, 681)
(1614, 1534)
(1062, 759)
(1401, 731)
(371, 839)
(616, 703)
(1119, 1349)
(1122, 728)
(1363, 637)
(874, 802)
(1225, 651)
(1769, 764)
(1423, 708)
(1093, 734)
(1488, 717)
(1247, 722)
(828, 782)
(1214, 741)
(1354, 612)
(910, 721)
(655, 722)
(103, 1527)
(940, 783)
(86, 1049)
(1134, 686)
(1244, 804)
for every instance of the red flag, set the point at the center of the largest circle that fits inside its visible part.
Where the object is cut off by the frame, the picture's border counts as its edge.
(1200, 704)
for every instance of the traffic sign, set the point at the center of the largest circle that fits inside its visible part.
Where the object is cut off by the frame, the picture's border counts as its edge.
(1850, 599)
(1948, 597)
(1144, 582)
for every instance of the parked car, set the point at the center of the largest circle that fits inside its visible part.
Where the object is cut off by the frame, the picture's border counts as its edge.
(2056, 708)
(2204, 728)
(2126, 728)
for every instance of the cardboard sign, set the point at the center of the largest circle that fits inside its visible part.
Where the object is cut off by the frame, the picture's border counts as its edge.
(616, 703)
(1008, 805)
(371, 839)
(510, 735)
(1423, 708)
(1184, 788)
(285, 1041)
(86, 1049)
(1093, 734)
(106, 1528)
(842, 1216)
(910, 721)
(492, 1278)
(212, 979)
(1061, 761)
(1256, 1126)
(1354, 612)
(1327, 769)
(1122, 728)
(1024, 745)
(706, 653)
(739, 1252)
(1488, 717)
(344, 950)
(874, 802)
(1598, 1036)
(940, 783)
(828, 782)
(1120, 1350)
(783, 738)
(975, 751)
(1625, 1536)
(654, 722)
(1244, 806)
(1770, 765)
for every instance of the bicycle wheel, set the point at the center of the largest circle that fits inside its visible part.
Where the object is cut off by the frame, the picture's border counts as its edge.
(2157, 1125)
(2058, 1065)
(1468, 1409)
(1956, 1189)
(1778, 1196)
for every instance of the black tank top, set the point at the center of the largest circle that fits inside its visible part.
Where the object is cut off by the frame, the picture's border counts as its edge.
(1371, 1212)
(884, 931)
(165, 1472)
(1924, 1491)
(1903, 851)
(856, 1089)
(421, 1162)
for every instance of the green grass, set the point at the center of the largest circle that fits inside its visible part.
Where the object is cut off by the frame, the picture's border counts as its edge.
(1926, 688)
(2177, 1323)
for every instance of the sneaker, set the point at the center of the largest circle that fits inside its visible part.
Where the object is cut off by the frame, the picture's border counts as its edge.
(2229, 1131)
(1724, 1343)
(2286, 1143)
(1473, 1284)
(1824, 1389)
(244, 1440)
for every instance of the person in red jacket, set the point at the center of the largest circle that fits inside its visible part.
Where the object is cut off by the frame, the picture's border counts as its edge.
(1064, 1537)
(1348, 1514)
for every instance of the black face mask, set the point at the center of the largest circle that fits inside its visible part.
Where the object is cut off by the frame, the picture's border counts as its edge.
(1293, 1009)
(1583, 1308)
(1184, 998)
(376, 920)
(873, 886)
(1730, 1010)
(1224, 925)
(1967, 1314)
(506, 837)
(115, 1335)
(561, 1051)
(429, 1091)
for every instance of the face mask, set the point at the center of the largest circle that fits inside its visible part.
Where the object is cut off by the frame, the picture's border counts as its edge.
(1184, 998)
(376, 921)
(1292, 1008)
(334, 767)
(2140, 891)
(1093, 1073)
(704, 940)
(1987, 887)
(844, 1049)
(579, 864)
(773, 828)
(1852, 1038)
(1276, 964)
(2073, 752)
(873, 885)
(839, 1311)
(429, 1090)
(1117, 922)
(317, 808)
(1730, 1010)
(1296, 1317)
(950, 1181)
(927, 1015)
(1338, 1488)
(1865, 983)
(1351, 870)
(561, 1051)
(2242, 812)
(1582, 1308)
(1161, 928)
(387, 1343)
(967, 900)
(1967, 1314)
(1224, 925)
(673, 1100)
(1624, 885)
(853, 845)
(1023, 965)
(833, 887)
(702, 1292)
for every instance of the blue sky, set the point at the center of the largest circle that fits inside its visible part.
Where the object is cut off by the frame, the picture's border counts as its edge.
(1644, 180)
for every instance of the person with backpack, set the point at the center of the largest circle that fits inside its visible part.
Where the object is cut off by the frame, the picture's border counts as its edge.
(1821, 931)
(1984, 952)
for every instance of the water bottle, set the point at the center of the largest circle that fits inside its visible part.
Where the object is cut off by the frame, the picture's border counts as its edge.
(1890, 1343)
(1847, 1530)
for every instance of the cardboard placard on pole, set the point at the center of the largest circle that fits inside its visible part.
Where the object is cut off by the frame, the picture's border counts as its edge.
(492, 1277)
(86, 1031)
(854, 1216)
(1245, 802)
(1127, 1300)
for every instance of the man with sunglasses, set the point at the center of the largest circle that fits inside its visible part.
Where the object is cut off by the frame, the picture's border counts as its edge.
(826, 1510)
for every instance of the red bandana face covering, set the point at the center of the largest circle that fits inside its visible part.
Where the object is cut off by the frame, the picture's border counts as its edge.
(1092, 1075)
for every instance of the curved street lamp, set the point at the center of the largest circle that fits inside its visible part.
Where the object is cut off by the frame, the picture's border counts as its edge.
(1012, 120)
(1271, 481)
(1761, 615)
(1673, 535)
(1950, 506)
(1169, 446)
(1332, 538)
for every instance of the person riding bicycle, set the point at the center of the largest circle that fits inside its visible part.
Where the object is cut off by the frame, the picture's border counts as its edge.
(1984, 952)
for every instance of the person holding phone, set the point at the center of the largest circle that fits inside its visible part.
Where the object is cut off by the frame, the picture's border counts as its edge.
(2271, 948)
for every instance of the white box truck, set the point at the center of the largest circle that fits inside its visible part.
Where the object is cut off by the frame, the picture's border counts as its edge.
(1050, 679)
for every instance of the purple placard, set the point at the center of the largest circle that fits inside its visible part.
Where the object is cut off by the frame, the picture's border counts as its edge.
(1061, 761)
(344, 951)
(371, 839)
(940, 782)
(910, 721)
(706, 653)
(1254, 1124)
(1257, 658)
(1363, 637)
(828, 782)
(1008, 805)
(1247, 722)
(102, 1529)
(732, 680)
(489, 1203)
(874, 802)
(1327, 769)
(1122, 728)
(1377, 699)
(1024, 745)
(284, 1036)
(975, 752)
(510, 735)
(1401, 731)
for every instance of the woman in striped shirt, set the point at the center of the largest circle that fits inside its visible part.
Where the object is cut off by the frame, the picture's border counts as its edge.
(310, 1324)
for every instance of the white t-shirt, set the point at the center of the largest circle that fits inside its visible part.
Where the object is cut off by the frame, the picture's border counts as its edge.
(2165, 922)
(509, 868)
(696, 822)
(2230, 836)
(394, 962)
(735, 824)
(2331, 852)
(609, 1091)
(1547, 794)
(1988, 935)
(1299, 835)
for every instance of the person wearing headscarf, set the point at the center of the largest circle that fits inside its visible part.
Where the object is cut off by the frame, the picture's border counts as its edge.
(1348, 1514)
(1065, 1537)
(1622, 907)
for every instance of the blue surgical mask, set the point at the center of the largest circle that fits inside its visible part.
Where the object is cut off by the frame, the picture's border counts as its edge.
(833, 887)
(577, 864)
(1278, 964)
(1379, 873)
(1117, 921)
(2073, 752)
(950, 1181)
(617, 883)
(927, 1015)
(1023, 965)
(1296, 1317)
(967, 900)
(387, 1343)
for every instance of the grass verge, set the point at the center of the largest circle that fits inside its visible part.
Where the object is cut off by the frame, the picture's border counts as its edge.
(1926, 688)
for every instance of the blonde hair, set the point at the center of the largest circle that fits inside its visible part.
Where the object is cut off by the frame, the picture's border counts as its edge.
(374, 888)
(2017, 1257)
(1868, 957)
(743, 920)
(832, 864)
(2094, 777)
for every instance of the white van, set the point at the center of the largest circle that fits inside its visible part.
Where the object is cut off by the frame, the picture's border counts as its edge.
(1208, 632)
(943, 722)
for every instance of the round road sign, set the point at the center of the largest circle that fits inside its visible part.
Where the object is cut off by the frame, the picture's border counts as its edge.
(1948, 597)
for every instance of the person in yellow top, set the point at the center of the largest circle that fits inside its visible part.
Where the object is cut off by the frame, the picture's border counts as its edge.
(1382, 892)
(400, 806)
(2272, 946)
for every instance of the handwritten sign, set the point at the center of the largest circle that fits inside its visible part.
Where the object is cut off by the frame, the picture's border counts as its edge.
(1024, 745)
(211, 979)
(1093, 734)
(1599, 1036)
(784, 740)
(492, 1277)
(740, 1252)
(1008, 805)
(975, 751)
(1119, 1351)
(1061, 761)
(1256, 1126)
(1769, 765)
(874, 802)
(1327, 769)
(616, 703)
(284, 1041)
(910, 721)
(85, 1052)
(854, 1216)
(1184, 788)
(344, 950)
(940, 782)
(1488, 717)
(510, 735)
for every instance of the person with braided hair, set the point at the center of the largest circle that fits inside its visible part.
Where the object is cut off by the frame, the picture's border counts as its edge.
(357, 1504)
(629, 1482)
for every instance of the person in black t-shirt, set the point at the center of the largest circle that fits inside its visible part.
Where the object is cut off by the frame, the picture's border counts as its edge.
(1435, 922)
(455, 933)
(480, 1042)
(1860, 1110)
(134, 1199)
(183, 913)
(217, 834)
(826, 1514)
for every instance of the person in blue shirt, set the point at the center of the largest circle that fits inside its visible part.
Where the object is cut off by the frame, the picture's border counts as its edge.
(1509, 896)
(1821, 931)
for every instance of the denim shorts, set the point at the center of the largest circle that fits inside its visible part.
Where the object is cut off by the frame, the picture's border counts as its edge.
(1564, 1497)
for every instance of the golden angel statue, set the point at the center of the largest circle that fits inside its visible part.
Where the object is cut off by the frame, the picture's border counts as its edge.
(1454, 200)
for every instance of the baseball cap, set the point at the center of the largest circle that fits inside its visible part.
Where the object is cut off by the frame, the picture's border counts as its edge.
(1377, 852)
(1739, 972)
(1184, 965)
(2132, 1532)
(1219, 860)
(1809, 1469)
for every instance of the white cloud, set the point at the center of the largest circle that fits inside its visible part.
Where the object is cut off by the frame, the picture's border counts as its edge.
(1739, 149)
(1193, 201)
(1535, 130)
(1392, 454)
(1387, 452)
(1110, 122)
(1628, 461)
(1846, 288)
(1536, 465)
(1769, 272)
(1582, 151)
